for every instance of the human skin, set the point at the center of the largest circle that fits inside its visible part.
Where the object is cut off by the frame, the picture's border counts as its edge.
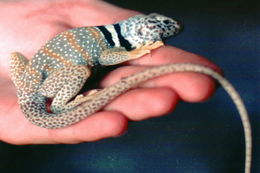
(25, 26)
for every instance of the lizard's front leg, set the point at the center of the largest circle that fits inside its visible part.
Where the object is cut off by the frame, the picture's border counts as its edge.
(119, 55)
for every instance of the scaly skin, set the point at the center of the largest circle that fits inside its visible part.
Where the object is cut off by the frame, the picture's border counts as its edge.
(61, 67)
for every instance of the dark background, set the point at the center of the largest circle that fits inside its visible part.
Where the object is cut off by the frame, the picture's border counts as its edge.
(196, 138)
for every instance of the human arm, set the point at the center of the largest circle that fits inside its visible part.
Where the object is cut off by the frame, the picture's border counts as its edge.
(28, 26)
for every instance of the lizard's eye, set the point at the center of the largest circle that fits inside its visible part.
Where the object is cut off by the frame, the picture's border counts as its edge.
(166, 22)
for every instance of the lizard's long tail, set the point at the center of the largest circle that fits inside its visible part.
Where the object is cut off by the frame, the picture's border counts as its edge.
(104, 96)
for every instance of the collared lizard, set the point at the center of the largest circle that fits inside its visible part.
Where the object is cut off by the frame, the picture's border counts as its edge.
(61, 67)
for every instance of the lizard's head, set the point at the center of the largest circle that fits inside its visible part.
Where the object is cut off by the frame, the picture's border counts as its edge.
(159, 26)
(141, 29)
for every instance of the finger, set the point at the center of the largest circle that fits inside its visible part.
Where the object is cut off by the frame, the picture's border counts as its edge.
(191, 87)
(169, 54)
(140, 104)
(98, 126)
(93, 13)
(113, 121)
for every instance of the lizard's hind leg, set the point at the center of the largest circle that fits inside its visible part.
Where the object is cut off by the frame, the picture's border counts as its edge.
(64, 84)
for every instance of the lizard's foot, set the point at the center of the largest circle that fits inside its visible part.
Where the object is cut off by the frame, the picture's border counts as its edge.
(91, 92)
(81, 98)
(153, 45)
(141, 51)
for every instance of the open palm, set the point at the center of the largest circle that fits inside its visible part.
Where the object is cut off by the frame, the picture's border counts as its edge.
(24, 27)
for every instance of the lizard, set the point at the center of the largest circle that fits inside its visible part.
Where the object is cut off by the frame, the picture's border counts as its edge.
(61, 67)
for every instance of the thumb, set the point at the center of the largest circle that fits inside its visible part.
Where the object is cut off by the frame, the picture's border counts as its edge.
(94, 13)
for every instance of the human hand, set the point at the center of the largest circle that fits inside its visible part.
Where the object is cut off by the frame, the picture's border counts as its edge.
(24, 27)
